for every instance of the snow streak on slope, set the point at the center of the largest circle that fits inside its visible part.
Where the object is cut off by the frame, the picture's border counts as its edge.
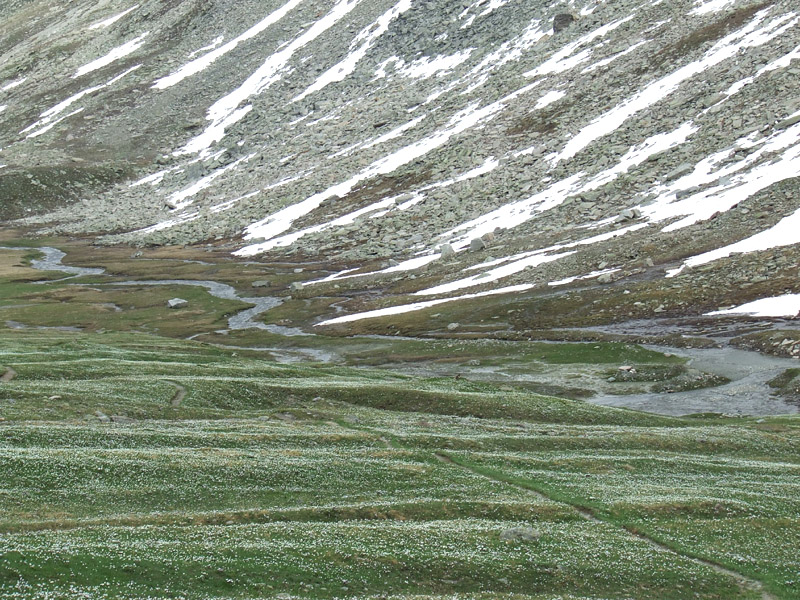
(787, 305)
(13, 84)
(114, 55)
(111, 20)
(274, 225)
(406, 308)
(395, 133)
(520, 262)
(591, 275)
(704, 7)
(506, 270)
(516, 213)
(425, 67)
(229, 110)
(566, 59)
(212, 46)
(549, 98)
(735, 182)
(378, 209)
(748, 37)
(780, 63)
(490, 6)
(508, 52)
(47, 117)
(52, 124)
(182, 199)
(358, 49)
(607, 61)
(202, 63)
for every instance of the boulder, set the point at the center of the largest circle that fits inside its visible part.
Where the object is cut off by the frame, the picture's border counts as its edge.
(786, 123)
(562, 21)
(629, 214)
(476, 245)
(447, 251)
(177, 303)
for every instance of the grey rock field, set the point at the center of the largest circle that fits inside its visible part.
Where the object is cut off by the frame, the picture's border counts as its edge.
(660, 139)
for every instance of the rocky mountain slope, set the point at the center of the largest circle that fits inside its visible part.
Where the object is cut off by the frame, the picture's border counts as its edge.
(566, 163)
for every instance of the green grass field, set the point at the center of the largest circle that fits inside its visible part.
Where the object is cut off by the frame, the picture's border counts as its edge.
(137, 464)
(315, 481)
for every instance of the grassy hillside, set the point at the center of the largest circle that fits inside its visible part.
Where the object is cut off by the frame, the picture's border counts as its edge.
(136, 466)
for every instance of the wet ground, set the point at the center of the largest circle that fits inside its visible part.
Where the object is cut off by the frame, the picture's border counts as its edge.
(746, 394)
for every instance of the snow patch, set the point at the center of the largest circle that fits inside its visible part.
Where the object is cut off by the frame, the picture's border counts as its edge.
(734, 182)
(749, 36)
(358, 49)
(277, 223)
(514, 214)
(607, 61)
(425, 67)
(566, 59)
(111, 20)
(46, 118)
(591, 275)
(787, 305)
(13, 84)
(202, 63)
(396, 133)
(181, 199)
(228, 110)
(115, 54)
(212, 46)
(704, 7)
(506, 270)
(405, 308)
(549, 98)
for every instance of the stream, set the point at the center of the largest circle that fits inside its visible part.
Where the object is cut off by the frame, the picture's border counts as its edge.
(746, 394)
(244, 319)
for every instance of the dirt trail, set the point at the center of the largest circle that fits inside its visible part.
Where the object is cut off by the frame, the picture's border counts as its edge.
(8, 375)
(180, 394)
(585, 513)
(589, 515)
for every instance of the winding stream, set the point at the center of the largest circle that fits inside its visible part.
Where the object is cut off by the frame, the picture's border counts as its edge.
(746, 394)
(244, 319)
(52, 262)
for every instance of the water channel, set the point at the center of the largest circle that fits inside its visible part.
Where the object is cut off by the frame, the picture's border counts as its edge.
(746, 394)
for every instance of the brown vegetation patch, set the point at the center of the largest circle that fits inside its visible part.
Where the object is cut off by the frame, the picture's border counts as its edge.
(541, 122)
(709, 33)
